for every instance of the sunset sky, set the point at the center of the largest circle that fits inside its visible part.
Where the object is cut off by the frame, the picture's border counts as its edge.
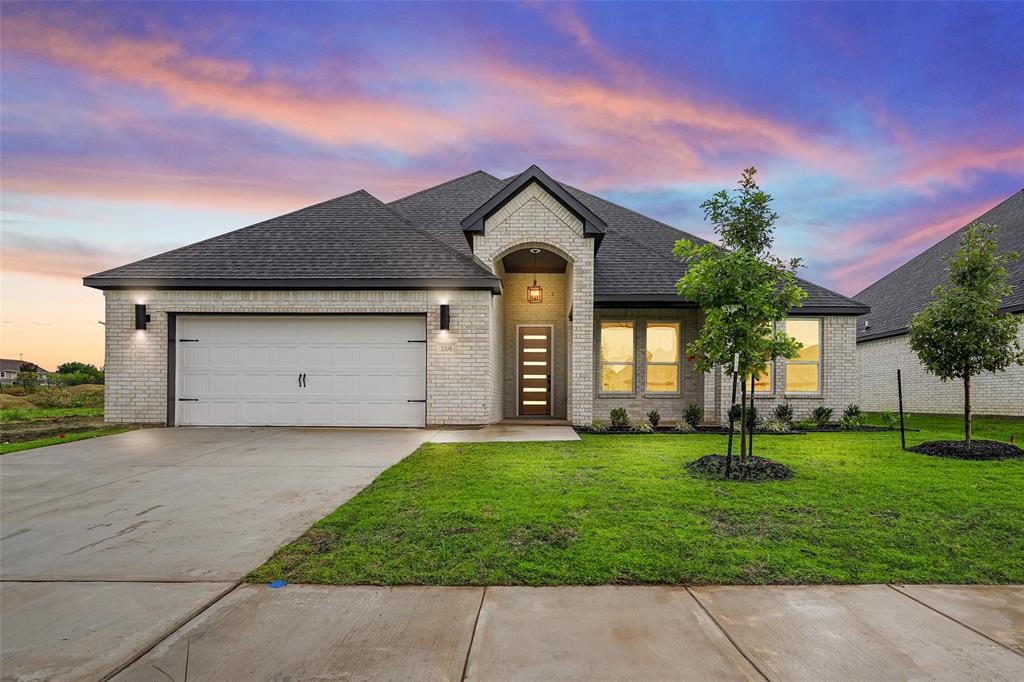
(129, 129)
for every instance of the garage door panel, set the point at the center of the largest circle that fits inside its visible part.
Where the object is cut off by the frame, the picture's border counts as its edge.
(358, 370)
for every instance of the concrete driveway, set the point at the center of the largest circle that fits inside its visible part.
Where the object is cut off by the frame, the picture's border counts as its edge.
(107, 544)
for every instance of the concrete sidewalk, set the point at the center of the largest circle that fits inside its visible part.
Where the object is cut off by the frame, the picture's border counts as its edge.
(813, 633)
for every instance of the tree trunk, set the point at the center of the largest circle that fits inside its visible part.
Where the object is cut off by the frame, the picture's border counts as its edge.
(743, 422)
(967, 405)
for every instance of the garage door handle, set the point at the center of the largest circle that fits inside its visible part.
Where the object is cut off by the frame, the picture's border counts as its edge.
(303, 379)
(416, 401)
(188, 400)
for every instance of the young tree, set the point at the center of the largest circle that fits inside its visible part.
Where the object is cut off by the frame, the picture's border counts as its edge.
(742, 288)
(28, 377)
(961, 333)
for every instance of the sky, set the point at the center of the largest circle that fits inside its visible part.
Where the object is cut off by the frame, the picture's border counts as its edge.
(129, 129)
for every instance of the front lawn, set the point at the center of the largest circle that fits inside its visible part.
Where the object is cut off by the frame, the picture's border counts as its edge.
(622, 509)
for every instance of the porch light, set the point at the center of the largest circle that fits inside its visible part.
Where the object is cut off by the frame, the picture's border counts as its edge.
(446, 317)
(534, 293)
(141, 316)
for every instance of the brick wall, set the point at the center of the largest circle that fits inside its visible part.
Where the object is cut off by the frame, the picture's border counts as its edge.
(535, 218)
(1000, 393)
(460, 389)
(640, 402)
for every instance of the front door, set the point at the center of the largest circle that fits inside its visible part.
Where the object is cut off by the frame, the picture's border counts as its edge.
(534, 371)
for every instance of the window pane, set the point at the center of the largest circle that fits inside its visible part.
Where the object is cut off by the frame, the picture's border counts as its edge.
(617, 378)
(663, 378)
(807, 332)
(663, 342)
(802, 378)
(763, 383)
(617, 342)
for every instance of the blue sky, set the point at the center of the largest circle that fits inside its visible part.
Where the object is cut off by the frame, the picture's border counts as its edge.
(131, 128)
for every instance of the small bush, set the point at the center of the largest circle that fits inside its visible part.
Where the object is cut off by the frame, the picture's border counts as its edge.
(619, 418)
(654, 417)
(774, 425)
(597, 426)
(891, 420)
(693, 414)
(852, 417)
(683, 426)
(734, 416)
(822, 415)
(784, 412)
(642, 427)
(805, 424)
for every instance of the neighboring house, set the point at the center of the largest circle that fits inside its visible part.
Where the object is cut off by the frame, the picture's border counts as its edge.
(359, 313)
(882, 341)
(10, 369)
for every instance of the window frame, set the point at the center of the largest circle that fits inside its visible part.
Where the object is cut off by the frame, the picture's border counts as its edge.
(678, 363)
(601, 362)
(820, 362)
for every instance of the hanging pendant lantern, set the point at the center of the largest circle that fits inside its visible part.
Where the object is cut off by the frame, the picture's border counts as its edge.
(534, 293)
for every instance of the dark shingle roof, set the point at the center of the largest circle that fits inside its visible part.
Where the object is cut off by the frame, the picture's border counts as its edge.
(902, 293)
(354, 238)
(635, 258)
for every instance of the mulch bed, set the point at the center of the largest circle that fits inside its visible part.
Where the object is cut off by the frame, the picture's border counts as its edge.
(754, 469)
(976, 449)
(670, 430)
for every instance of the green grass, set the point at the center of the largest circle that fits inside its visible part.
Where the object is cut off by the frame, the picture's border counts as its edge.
(621, 509)
(7, 448)
(21, 414)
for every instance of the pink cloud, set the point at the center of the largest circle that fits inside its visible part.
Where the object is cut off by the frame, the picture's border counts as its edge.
(945, 166)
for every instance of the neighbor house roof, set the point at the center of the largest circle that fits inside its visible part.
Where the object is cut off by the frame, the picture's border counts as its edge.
(356, 241)
(8, 365)
(902, 293)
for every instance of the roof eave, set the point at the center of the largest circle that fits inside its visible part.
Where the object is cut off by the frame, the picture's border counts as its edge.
(492, 284)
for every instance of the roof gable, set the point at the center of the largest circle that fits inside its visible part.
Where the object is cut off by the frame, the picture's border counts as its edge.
(475, 222)
(898, 296)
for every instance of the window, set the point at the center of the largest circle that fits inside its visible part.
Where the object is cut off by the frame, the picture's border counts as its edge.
(616, 357)
(763, 385)
(804, 371)
(663, 357)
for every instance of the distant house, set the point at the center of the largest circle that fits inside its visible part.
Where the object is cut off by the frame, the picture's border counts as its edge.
(882, 334)
(10, 369)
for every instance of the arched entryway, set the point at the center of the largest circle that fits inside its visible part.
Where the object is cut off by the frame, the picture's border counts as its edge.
(535, 310)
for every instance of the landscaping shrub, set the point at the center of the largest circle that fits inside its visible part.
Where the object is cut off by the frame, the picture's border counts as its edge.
(822, 415)
(852, 417)
(805, 424)
(619, 418)
(734, 416)
(784, 412)
(642, 427)
(654, 417)
(891, 420)
(598, 426)
(683, 426)
(774, 425)
(693, 414)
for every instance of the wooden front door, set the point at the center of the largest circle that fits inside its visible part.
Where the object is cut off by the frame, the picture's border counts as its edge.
(534, 372)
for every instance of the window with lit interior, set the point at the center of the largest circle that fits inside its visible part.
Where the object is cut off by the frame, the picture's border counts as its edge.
(616, 357)
(662, 357)
(803, 373)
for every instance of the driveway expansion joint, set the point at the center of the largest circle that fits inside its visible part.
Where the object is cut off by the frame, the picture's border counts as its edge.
(728, 636)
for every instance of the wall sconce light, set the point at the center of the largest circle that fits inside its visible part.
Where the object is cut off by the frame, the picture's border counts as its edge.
(141, 316)
(446, 317)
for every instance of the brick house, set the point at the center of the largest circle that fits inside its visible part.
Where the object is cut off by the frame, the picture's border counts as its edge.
(883, 345)
(471, 302)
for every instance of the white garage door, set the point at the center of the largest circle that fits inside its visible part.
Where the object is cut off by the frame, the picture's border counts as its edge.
(314, 370)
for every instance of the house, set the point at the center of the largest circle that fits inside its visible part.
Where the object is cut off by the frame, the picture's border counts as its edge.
(471, 302)
(10, 369)
(882, 335)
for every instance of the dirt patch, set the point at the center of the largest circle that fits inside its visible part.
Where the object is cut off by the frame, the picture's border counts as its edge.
(754, 469)
(976, 449)
(19, 432)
